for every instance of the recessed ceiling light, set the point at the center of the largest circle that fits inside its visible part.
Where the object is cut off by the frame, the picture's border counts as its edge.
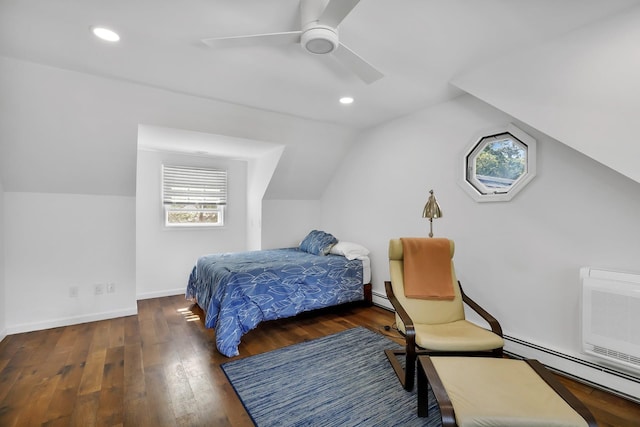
(346, 100)
(105, 34)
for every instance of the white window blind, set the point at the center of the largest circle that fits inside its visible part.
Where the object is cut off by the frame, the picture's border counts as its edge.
(185, 185)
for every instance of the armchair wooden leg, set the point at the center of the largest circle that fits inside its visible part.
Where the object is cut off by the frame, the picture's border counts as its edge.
(405, 375)
(410, 368)
(423, 400)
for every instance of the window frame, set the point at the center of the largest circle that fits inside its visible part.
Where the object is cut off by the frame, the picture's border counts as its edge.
(197, 194)
(476, 189)
(168, 209)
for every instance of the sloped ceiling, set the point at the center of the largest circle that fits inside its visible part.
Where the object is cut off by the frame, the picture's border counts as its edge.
(582, 89)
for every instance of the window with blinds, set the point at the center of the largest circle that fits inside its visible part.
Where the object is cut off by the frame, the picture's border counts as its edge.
(193, 196)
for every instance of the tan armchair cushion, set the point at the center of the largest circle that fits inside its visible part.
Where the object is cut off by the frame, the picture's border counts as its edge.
(461, 335)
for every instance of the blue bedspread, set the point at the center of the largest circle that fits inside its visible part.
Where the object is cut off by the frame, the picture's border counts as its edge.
(237, 291)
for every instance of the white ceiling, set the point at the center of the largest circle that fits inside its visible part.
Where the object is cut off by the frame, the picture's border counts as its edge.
(420, 45)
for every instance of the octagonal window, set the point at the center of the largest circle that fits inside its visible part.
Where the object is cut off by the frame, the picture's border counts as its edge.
(497, 165)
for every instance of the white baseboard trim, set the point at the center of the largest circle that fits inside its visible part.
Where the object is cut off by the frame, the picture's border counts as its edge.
(74, 320)
(160, 294)
(381, 300)
(601, 376)
(3, 334)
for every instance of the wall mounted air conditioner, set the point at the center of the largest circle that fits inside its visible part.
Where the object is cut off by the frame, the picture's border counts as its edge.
(611, 316)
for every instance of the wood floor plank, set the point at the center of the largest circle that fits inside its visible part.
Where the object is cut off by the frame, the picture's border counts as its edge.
(179, 389)
(116, 332)
(47, 341)
(10, 407)
(148, 336)
(58, 422)
(15, 405)
(80, 350)
(85, 410)
(158, 399)
(161, 368)
(109, 411)
(8, 377)
(3, 364)
(136, 413)
(42, 396)
(67, 339)
(134, 382)
(100, 339)
(112, 388)
(92, 374)
(62, 404)
(131, 330)
(113, 372)
(160, 325)
(66, 393)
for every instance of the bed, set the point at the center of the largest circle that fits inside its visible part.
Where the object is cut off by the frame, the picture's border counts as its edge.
(239, 290)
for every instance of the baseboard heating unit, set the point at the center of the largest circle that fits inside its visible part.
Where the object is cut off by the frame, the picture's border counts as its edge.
(611, 317)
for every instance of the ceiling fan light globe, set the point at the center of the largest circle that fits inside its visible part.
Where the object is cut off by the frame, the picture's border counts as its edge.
(319, 40)
(319, 46)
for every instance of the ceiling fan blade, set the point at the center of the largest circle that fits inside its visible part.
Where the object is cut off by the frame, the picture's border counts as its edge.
(270, 39)
(367, 72)
(336, 11)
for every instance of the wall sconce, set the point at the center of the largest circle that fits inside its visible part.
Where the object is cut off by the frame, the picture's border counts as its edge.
(431, 210)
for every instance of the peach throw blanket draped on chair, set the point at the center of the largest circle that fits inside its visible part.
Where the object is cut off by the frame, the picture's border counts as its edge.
(427, 268)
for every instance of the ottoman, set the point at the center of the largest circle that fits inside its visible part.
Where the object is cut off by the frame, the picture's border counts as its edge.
(483, 391)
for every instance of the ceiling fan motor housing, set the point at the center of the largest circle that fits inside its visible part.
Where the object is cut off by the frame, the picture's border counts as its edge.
(320, 39)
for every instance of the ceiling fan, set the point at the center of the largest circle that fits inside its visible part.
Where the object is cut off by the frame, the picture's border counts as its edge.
(319, 35)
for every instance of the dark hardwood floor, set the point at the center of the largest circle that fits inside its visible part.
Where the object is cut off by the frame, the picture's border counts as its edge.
(161, 368)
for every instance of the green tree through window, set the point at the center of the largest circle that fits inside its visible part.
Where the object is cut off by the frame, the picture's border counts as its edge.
(501, 159)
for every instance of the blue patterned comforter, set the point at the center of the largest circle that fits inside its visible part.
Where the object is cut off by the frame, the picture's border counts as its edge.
(237, 291)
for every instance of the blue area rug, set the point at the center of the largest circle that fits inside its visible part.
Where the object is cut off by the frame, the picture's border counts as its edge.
(341, 380)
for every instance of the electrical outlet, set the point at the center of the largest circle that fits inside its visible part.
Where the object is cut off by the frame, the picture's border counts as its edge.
(73, 292)
(111, 288)
(98, 289)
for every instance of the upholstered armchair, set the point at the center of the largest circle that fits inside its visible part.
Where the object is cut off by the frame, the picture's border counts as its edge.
(434, 324)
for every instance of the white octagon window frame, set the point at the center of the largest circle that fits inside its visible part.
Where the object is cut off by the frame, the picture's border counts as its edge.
(474, 187)
(472, 172)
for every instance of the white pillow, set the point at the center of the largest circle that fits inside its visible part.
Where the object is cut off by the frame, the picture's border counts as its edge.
(349, 250)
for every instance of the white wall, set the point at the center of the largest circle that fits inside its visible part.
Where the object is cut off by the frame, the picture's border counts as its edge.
(520, 259)
(259, 176)
(286, 222)
(3, 307)
(165, 256)
(57, 241)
